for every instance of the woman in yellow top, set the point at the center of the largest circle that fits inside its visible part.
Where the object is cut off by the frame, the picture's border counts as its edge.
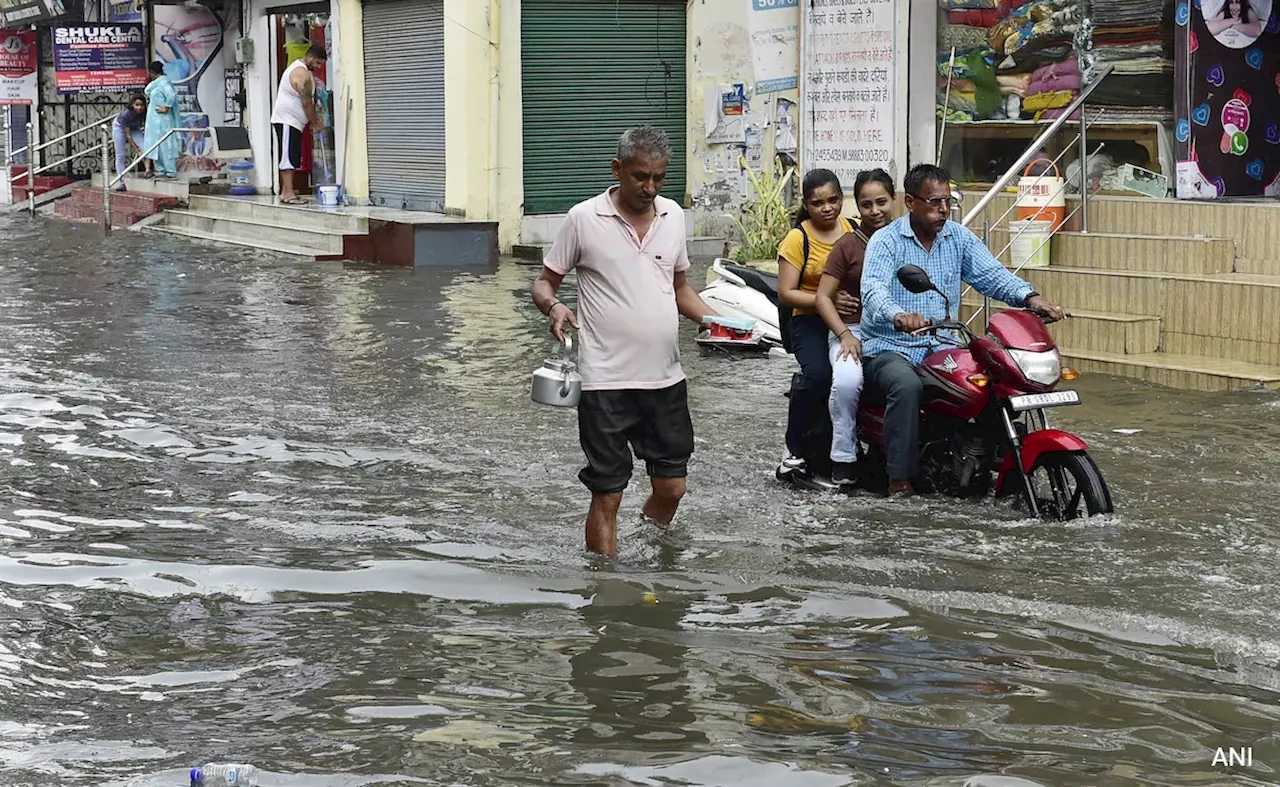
(821, 223)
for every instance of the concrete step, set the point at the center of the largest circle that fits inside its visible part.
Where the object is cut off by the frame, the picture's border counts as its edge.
(296, 251)
(1253, 226)
(1117, 334)
(296, 216)
(1221, 306)
(1187, 372)
(1128, 252)
(234, 229)
(179, 189)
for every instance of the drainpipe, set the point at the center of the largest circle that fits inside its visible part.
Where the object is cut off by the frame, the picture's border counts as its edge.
(495, 62)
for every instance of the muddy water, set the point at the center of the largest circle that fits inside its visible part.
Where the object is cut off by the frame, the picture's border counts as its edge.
(304, 516)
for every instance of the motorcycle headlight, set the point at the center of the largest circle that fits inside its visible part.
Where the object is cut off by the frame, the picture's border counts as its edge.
(1043, 368)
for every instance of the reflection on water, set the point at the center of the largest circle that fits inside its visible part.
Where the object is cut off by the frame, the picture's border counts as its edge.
(305, 516)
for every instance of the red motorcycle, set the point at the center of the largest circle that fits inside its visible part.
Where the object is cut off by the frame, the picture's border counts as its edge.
(984, 414)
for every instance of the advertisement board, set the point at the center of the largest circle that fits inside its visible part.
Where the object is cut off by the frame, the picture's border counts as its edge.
(99, 58)
(18, 65)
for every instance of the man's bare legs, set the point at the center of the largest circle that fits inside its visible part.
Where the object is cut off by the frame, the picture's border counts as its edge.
(602, 523)
(286, 185)
(664, 499)
(602, 519)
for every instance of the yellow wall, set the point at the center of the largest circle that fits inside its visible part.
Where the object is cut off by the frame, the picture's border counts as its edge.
(350, 46)
(510, 156)
(469, 75)
(719, 51)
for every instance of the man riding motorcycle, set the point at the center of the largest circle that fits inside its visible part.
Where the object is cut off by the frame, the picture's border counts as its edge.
(950, 254)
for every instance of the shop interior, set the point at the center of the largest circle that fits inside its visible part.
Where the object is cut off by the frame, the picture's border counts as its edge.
(1018, 65)
(296, 30)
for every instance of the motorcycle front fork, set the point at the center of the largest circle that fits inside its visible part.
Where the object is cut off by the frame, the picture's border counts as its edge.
(1015, 445)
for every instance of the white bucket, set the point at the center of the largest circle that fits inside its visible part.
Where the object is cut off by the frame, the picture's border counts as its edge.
(1031, 243)
(329, 196)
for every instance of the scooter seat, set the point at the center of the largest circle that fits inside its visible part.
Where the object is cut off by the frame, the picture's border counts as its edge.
(766, 283)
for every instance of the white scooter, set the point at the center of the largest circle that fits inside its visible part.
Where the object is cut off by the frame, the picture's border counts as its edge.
(747, 300)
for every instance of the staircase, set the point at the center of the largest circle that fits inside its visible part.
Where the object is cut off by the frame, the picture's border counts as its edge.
(127, 208)
(287, 229)
(1180, 294)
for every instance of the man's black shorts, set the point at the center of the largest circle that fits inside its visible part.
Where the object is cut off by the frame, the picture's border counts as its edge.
(656, 424)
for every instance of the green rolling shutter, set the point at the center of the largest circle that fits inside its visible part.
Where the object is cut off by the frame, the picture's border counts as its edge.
(591, 70)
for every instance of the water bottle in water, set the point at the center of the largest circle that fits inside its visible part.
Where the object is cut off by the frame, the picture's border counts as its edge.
(224, 774)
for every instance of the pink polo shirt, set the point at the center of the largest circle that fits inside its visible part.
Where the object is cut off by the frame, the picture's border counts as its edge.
(626, 293)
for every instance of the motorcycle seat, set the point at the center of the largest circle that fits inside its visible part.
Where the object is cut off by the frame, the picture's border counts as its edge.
(766, 283)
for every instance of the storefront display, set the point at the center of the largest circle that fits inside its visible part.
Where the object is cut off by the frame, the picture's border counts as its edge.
(1229, 99)
(1006, 67)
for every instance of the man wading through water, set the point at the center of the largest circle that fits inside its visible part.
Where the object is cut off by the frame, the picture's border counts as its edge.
(628, 246)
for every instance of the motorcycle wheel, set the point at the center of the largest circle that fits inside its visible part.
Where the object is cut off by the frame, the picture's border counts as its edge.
(1068, 485)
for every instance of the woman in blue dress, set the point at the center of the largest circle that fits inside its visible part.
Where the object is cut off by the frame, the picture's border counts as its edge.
(162, 116)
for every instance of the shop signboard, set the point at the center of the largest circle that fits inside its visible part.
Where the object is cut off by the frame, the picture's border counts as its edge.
(1228, 98)
(99, 58)
(14, 13)
(775, 45)
(853, 91)
(18, 66)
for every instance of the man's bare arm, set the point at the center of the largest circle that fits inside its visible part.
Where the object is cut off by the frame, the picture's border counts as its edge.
(305, 84)
(689, 302)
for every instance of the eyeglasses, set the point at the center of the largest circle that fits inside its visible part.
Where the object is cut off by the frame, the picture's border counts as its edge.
(936, 202)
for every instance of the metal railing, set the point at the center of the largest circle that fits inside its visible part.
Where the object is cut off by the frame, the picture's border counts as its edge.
(1033, 152)
(34, 151)
(109, 183)
(104, 146)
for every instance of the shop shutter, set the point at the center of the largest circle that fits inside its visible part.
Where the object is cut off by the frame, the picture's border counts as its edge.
(404, 102)
(590, 70)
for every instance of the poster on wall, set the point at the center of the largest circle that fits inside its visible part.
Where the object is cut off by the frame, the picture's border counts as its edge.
(1228, 98)
(191, 42)
(853, 107)
(775, 48)
(99, 58)
(14, 13)
(18, 65)
(124, 10)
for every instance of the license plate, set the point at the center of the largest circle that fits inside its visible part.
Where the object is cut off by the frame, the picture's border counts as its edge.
(1036, 401)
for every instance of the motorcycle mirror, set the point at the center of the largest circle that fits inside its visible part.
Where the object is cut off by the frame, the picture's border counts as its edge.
(914, 279)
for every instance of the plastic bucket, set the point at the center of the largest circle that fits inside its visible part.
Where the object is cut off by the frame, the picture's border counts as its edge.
(241, 173)
(1043, 197)
(328, 196)
(1031, 243)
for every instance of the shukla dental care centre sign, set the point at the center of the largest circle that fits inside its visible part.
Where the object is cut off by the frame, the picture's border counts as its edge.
(99, 58)
(853, 92)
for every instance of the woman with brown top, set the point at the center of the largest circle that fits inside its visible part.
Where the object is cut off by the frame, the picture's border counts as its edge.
(874, 193)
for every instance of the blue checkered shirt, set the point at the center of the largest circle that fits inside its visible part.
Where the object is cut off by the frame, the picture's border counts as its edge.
(958, 255)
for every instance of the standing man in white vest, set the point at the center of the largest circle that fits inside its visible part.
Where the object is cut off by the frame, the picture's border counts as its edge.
(295, 108)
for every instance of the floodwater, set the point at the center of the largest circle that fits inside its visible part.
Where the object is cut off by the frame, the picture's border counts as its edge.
(304, 516)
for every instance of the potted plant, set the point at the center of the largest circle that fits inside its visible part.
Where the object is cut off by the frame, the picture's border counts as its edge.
(764, 219)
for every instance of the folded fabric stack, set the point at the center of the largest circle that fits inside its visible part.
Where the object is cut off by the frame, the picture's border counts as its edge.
(975, 92)
(1035, 27)
(1136, 37)
(1052, 87)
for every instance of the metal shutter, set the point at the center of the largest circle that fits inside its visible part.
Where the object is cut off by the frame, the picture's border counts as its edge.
(591, 70)
(404, 102)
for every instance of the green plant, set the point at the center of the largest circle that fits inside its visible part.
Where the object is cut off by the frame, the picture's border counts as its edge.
(764, 219)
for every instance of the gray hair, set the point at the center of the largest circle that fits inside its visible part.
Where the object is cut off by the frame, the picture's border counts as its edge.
(645, 140)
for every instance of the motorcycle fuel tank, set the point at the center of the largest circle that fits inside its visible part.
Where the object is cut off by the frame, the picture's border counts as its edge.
(948, 390)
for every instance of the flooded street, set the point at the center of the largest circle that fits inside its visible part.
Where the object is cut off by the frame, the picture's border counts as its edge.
(304, 516)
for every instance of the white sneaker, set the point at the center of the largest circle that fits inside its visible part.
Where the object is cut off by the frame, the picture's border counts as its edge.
(792, 464)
